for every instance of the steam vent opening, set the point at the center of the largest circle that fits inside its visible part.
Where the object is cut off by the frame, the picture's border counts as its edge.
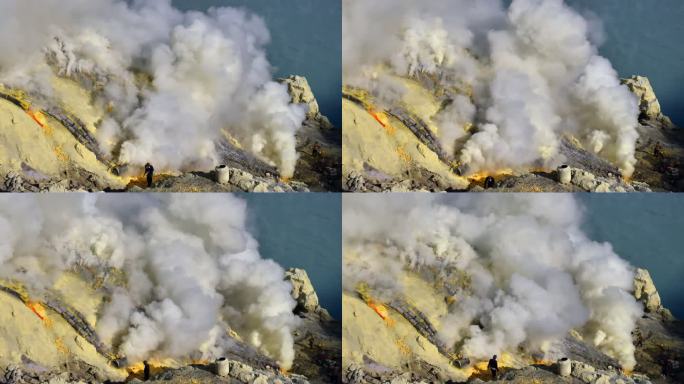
(177, 288)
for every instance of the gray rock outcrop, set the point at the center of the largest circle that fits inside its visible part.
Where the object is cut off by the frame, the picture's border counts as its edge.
(649, 105)
(645, 291)
(302, 289)
(589, 182)
(301, 93)
(318, 142)
(305, 295)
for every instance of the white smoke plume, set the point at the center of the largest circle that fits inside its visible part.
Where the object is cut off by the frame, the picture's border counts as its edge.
(173, 82)
(192, 270)
(526, 273)
(531, 74)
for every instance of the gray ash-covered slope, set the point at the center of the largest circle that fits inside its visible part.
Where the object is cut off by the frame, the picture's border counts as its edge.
(49, 149)
(659, 153)
(658, 338)
(46, 340)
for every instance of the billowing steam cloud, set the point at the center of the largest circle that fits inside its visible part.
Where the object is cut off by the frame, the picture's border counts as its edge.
(173, 82)
(525, 76)
(191, 270)
(521, 270)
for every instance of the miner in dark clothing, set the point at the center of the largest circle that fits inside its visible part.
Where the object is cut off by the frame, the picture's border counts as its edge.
(146, 371)
(493, 367)
(489, 182)
(149, 172)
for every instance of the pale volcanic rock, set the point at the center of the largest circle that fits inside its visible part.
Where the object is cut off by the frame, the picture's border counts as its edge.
(302, 290)
(645, 291)
(649, 105)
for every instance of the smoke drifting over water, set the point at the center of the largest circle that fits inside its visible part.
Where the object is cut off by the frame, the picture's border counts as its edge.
(191, 270)
(524, 76)
(521, 270)
(172, 81)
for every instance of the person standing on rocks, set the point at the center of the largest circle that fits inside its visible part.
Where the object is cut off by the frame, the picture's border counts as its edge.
(146, 370)
(493, 367)
(489, 183)
(149, 172)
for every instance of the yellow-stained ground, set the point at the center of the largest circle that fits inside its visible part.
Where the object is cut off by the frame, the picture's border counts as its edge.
(392, 151)
(44, 144)
(393, 345)
(50, 342)
(79, 295)
(392, 341)
(388, 338)
(421, 102)
(424, 297)
(76, 100)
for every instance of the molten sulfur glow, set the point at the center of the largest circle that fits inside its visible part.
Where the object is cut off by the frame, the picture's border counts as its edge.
(156, 365)
(141, 181)
(382, 119)
(40, 119)
(382, 311)
(499, 173)
(40, 311)
(480, 176)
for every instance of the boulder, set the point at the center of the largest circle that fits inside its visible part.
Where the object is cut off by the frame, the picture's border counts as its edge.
(301, 93)
(298, 186)
(261, 187)
(242, 372)
(354, 374)
(242, 179)
(402, 186)
(355, 181)
(645, 291)
(302, 290)
(604, 188)
(584, 372)
(641, 87)
(584, 179)
(60, 186)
